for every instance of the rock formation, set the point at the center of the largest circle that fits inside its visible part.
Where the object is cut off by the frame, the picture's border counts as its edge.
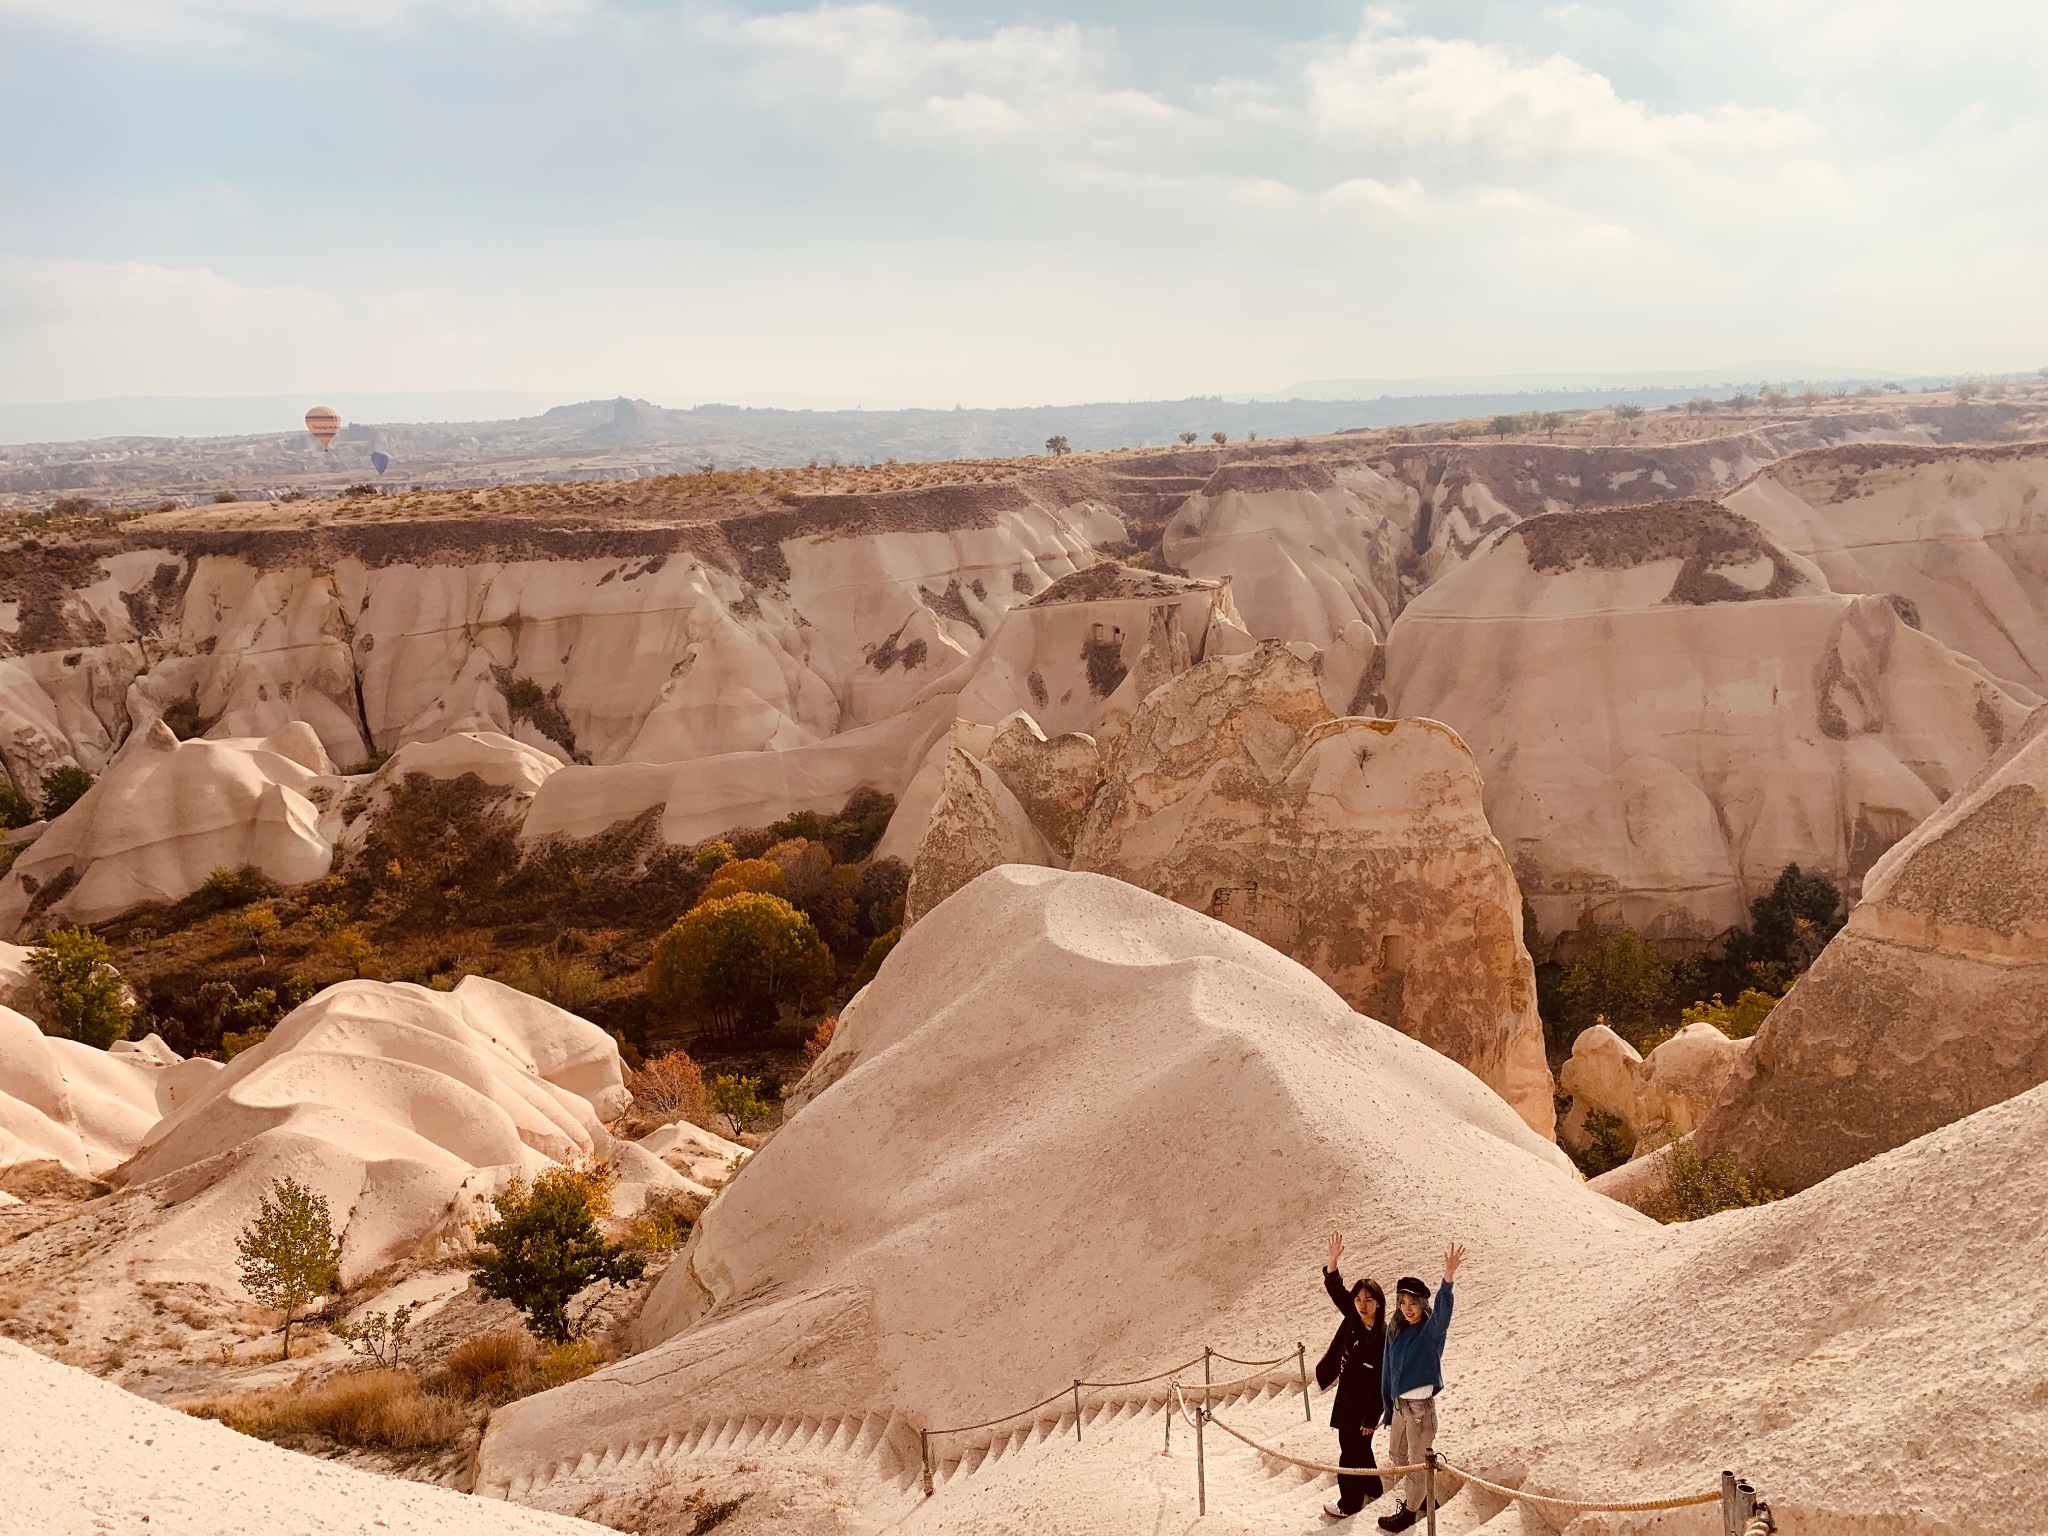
(1074, 1130)
(405, 1107)
(1955, 532)
(168, 813)
(85, 1110)
(1668, 708)
(81, 1454)
(1656, 1098)
(1358, 847)
(1930, 1004)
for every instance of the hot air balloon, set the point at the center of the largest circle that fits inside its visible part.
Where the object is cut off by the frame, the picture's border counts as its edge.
(323, 421)
(380, 461)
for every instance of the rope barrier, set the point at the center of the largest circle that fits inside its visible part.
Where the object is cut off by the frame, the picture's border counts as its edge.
(1317, 1466)
(1197, 1418)
(1638, 1506)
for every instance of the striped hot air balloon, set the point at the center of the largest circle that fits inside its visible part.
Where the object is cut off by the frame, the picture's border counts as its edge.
(323, 421)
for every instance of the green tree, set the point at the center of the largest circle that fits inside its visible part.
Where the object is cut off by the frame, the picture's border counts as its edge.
(1789, 926)
(15, 811)
(289, 1255)
(543, 1250)
(1505, 425)
(81, 988)
(738, 1099)
(1219, 438)
(1187, 439)
(712, 856)
(1628, 410)
(729, 963)
(62, 787)
(1056, 445)
(1616, 975)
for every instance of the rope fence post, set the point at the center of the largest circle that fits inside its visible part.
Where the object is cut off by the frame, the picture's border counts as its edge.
(1745, 1505)
(1205, 1378)
(924, 1456)
(1429, 1487)
(1168, 1416)
(1201, 1463)
(1730, 1525)
(1301, 1359)
(1077, 1410)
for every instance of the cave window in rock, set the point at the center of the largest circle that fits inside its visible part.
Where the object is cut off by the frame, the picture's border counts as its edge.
(1393, 952)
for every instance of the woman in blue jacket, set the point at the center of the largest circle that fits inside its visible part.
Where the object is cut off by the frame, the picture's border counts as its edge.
(1412, 1378)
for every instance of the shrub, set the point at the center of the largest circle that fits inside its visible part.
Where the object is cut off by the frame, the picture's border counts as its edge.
(1696, 1186)
(222, 498)
(669, 1087)
(543, 1251)
(737, 876)
(557, 978)
(329, 919)
(877, 953)
(1628, 410)
(711, 856)
(377, 1410)
(821, 1038)
(1187, 439)
(493, 1367)
(1737, 1020)
(738, 1099)
(1219, 438)
(262, 926)
(352, 950)
(62, 788)
(1618, 976)
(289, 1255)
(729, 963)
(15, 811)
(81, 989)
(378, 1338)
(1610, 1144)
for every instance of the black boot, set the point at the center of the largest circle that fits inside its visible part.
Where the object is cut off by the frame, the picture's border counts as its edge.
(1399, 1520)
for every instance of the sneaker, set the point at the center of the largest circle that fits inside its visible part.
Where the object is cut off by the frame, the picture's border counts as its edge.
(1399, 1520)
(1337, 1511)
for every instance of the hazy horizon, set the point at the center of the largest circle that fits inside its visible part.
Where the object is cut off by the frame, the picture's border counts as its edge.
(888, 203)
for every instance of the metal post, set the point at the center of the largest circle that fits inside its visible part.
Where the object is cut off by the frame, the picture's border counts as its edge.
(1077, 1408)
(1201, 1463)
(1205, 1378)
(1429, 1487)
(924, 1456)
(1745, 1504)
(1301, 1359)
(1169, 1420)
(1730, 1526)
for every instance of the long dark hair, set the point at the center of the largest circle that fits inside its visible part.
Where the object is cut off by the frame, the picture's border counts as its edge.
(1376, 1335)
(1398, 1322)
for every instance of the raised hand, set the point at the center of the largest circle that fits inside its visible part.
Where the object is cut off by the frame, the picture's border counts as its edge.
(1453, 1257)
(1336, 1250)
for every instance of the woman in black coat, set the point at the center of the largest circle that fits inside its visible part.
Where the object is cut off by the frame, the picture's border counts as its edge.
(1353, 1361)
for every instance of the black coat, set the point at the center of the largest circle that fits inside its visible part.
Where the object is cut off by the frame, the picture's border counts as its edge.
(1353, 1361)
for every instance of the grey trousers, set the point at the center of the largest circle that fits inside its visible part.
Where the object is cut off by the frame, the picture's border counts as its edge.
(1413, 1432)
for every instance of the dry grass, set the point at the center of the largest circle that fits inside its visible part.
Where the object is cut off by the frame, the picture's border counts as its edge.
(374, 1410)
(498, 1367)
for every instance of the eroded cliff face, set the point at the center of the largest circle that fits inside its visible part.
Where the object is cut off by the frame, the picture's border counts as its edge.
(1669, 707)
(1936, 991)
(1358, 847)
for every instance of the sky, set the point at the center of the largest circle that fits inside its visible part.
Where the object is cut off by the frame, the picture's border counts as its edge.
(937, 202)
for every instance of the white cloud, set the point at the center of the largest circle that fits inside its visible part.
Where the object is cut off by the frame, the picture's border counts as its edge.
(1435, 93)
(907, 77)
